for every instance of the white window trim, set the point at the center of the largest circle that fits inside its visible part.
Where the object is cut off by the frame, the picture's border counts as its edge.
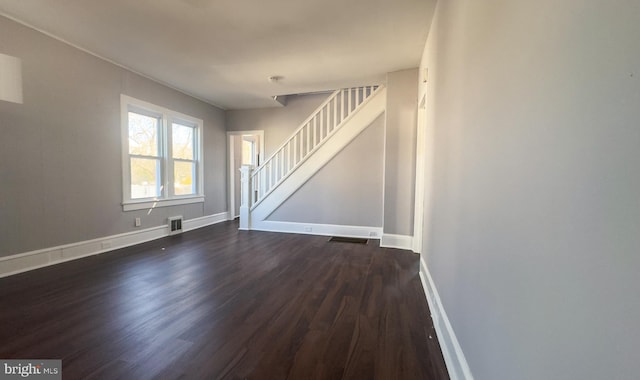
(167, 117)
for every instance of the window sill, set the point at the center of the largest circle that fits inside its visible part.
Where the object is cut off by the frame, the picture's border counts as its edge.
(146, 204)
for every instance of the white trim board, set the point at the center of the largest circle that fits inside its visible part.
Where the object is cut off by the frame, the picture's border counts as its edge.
(231, 172)
(453, 356)
(195, 223)
(397, 241)
(364, 232)
(23, 262)
(421, 164)
(318, 229)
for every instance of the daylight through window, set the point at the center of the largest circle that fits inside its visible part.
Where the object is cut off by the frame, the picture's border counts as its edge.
(162, 165)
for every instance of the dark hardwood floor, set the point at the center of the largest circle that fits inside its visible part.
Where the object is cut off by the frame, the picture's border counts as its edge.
(219, 303)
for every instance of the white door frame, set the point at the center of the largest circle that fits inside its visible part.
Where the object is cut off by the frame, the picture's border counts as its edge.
(231, 173)
(421, 164)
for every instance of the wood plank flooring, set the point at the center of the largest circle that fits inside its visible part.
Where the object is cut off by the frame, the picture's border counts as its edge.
(218, 303)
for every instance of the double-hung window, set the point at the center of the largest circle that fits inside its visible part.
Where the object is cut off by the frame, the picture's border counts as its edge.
(162, 156)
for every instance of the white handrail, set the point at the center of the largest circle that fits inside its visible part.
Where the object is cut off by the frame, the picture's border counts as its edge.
(302, 125)
(312, 133)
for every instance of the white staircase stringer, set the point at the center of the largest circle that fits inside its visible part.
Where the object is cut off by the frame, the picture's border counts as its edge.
(338, 141)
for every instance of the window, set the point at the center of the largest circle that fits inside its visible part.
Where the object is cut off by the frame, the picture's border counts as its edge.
(162, 156)
(184, 163)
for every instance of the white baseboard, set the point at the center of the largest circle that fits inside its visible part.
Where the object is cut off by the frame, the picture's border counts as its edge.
(318, 229)
(386, 240)
(27, 261)
(204, 221)
(397, 241)
(453, 356)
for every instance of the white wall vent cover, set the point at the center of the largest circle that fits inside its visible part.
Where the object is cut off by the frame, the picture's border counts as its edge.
(175, 225)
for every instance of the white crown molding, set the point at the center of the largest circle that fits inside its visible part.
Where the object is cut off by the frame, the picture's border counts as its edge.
(120, 65)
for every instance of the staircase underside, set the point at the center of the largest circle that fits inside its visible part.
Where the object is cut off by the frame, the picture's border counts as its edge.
(357, 123)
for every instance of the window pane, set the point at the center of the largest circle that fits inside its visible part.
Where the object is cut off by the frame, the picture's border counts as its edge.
(182, 137)
(143, 134)
(183, 178)
(145, 178)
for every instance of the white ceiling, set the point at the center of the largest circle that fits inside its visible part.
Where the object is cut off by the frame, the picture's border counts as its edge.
(223, 51)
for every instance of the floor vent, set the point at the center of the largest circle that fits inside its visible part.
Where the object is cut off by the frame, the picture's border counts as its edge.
(340, 239)
(175, 225)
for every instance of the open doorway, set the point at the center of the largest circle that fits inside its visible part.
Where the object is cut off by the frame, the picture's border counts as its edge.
(245, 148)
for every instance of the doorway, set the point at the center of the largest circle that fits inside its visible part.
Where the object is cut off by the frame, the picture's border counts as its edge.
(245, 148)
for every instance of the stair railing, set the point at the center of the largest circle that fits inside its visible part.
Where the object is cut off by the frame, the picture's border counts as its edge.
(312, 133)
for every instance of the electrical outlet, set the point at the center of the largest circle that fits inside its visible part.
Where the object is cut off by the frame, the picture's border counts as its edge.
(138, 222)
(373, 234)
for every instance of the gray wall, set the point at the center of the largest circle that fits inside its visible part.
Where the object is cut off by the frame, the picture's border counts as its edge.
(348, 190)
(397, 152)
(60, 162)
(400, 151)
(535, 225)
(278, 123)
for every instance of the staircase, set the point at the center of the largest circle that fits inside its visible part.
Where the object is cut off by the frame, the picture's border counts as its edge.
(330, 128)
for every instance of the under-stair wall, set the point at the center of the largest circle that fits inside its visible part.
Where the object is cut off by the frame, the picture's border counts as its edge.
(347, 191)
(320, 138)
(328, 198)
(341, 202)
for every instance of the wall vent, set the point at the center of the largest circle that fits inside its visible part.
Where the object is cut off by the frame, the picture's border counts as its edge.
(175, 225)
(342, 239)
